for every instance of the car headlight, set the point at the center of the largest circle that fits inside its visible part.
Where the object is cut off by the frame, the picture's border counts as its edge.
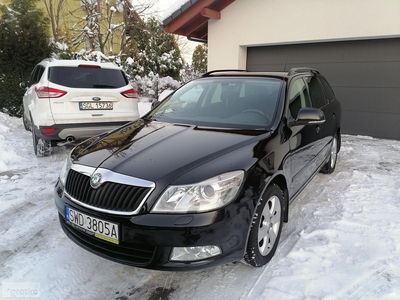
(64, 170)
(204, 196)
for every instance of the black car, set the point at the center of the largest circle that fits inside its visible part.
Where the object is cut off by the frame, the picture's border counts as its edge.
(207, 176)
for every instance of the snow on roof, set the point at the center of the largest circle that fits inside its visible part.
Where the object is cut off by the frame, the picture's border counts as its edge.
(176, 9)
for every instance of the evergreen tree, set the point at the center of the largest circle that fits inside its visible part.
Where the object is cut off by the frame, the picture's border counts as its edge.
(199, 58)
(23, 43)
(153, 51)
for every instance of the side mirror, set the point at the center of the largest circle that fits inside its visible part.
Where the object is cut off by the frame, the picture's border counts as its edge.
(24, 85)
(308, 116)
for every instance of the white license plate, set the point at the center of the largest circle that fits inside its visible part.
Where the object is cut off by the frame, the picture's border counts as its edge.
(95, 105)
(96, 227)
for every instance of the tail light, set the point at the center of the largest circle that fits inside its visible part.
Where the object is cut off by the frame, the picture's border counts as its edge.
(131, 93)
(46, 92)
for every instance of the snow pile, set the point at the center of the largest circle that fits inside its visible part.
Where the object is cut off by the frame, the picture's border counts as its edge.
(8, 154)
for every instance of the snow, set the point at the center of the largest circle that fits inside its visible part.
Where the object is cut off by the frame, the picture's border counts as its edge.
(342, 240)
(173, 8)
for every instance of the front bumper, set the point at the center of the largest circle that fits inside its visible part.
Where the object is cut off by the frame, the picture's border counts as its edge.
(147, 240)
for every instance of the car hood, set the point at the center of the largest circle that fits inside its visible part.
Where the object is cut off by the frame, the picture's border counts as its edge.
(152, 150)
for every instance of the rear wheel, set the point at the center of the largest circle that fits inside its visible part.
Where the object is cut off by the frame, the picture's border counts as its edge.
(41, 147)
(266, 228)
(329, 167)
(25, 121)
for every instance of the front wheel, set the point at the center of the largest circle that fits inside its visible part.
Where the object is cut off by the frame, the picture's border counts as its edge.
(41, 147)
(266, 228)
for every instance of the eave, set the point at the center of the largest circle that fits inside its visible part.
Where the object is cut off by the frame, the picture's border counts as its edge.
(191, 20)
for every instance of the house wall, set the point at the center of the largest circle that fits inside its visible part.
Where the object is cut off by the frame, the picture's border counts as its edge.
(272, 22)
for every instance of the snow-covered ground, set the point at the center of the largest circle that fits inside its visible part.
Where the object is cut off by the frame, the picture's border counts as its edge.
(342, 240)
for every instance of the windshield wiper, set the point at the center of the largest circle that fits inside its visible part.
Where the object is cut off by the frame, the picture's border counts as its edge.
(255, 131)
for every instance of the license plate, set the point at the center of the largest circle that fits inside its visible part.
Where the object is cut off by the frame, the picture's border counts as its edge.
(95, 105)
(98, 228)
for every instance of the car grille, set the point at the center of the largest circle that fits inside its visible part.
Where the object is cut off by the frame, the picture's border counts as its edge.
(109, 196)
(132, 254)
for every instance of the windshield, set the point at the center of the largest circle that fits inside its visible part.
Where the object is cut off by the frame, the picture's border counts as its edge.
(230, 102)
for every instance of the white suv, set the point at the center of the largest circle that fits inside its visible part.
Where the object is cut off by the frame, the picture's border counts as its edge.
(69, 100)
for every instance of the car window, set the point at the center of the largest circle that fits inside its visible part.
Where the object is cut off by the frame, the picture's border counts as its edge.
(316, 93)
(298, 97)
(223, 102)
(36, 74)
(32, 78)
(327, 88)
(87, 77)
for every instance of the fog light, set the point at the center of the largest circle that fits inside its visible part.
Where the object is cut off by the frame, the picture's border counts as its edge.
(194, 253)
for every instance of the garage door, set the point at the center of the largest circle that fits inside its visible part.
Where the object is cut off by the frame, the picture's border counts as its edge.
(365, 76)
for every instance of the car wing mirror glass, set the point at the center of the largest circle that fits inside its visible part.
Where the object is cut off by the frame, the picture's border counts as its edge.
(24, 85)
(308, 116)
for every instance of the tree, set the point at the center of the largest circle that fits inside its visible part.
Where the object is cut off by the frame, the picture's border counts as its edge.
(23, 43)
(56, 11)
(153, 50)
(199, 58)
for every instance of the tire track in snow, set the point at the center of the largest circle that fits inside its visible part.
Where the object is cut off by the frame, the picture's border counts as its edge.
(374, 285)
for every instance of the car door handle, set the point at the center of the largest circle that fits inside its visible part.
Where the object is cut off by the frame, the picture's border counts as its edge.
(317, 129)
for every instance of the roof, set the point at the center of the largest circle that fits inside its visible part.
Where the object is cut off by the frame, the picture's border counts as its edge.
(76, 62)
(191, 19)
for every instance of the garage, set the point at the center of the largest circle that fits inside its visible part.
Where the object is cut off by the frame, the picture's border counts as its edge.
(365, 75)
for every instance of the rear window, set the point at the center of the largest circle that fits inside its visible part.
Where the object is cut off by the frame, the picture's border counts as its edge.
(89, 78)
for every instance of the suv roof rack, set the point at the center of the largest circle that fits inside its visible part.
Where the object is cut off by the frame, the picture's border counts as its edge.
(225, 70)
(49, 59)
(301, 70)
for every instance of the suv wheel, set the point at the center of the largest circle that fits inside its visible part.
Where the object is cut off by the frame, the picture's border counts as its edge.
(26, 124)
(41, 147)
(266, 228)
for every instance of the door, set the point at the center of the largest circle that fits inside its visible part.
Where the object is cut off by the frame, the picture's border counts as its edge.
(304, 139)
(29, 99)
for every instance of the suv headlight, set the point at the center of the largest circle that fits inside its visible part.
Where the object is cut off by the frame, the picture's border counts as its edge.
(204, 196)
(64, 170)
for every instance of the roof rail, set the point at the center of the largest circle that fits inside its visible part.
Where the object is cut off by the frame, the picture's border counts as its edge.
(217, 71)
(50, 59)
(301, 70)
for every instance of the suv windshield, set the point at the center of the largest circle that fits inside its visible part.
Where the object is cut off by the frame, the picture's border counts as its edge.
(239, 102)
(87, 77)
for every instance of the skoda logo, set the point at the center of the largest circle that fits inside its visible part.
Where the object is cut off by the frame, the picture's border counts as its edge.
(95, 180)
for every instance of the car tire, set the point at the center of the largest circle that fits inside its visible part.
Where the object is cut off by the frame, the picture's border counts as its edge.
(25, 122)
(266, 228)
(330, 166)
(41, 147)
